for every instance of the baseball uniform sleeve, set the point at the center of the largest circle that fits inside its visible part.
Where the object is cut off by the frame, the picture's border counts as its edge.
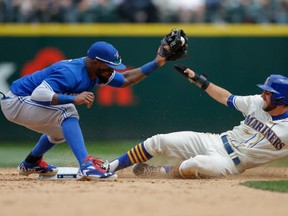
(116, 80)
(243, 103)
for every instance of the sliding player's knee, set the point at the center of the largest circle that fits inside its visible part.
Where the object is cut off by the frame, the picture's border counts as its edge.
(155, 144)
(189, 169)
(195, 167)
(201, 166)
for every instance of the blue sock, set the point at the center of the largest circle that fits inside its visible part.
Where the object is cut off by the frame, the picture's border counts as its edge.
(138, 154)
(42, 146)
(168, 169)
(74, 137)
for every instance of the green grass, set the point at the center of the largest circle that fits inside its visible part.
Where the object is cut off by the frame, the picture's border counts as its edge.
(11, 154)
(278, 186)
(280, 163)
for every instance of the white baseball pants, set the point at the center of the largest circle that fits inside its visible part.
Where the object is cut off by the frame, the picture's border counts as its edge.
(203, 154)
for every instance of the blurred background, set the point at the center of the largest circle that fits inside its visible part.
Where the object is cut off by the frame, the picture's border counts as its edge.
(164, 11)
(238, 43)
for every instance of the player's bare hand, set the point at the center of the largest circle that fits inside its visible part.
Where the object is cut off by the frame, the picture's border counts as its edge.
(84, 98)
(190, 73)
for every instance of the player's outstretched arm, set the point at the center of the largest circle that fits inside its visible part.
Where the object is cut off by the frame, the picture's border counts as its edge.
(216, 92)
(136, 75)
(172, 47)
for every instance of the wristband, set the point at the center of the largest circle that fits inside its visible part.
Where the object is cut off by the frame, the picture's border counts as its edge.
(201, 81)
(149, 67)
(65, 99)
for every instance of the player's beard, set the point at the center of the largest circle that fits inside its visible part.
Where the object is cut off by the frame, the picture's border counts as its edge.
(269, 106)
(103, 79)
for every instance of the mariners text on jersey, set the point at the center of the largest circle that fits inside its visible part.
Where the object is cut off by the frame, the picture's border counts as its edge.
(266, 131)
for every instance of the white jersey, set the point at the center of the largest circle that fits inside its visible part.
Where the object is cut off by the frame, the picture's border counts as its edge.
(260, 138)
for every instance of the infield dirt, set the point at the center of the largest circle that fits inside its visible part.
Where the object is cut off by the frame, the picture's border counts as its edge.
(130, 195)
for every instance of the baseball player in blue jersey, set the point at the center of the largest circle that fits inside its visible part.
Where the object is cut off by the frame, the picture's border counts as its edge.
(259, 139)
(45, 102)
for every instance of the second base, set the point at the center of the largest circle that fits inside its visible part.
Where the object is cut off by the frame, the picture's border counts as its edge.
(63, 173)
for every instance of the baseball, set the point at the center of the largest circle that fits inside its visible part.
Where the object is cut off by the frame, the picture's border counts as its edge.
(182, 41)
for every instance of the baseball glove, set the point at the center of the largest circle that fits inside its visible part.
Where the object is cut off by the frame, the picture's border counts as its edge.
(174, 45)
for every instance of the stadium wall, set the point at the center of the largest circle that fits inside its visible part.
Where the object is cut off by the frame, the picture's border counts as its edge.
(236, 57)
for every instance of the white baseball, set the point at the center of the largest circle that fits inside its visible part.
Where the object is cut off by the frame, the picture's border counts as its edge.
(182, 41)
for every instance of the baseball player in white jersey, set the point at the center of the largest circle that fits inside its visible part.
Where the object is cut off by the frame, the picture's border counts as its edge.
(260, 138)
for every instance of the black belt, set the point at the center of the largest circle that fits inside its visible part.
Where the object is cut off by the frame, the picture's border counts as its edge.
(230, 151)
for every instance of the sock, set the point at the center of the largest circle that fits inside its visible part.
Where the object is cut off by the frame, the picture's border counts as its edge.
(42, 146)
(32, 159)
(138, 154)
(168, 169)
(74, 137)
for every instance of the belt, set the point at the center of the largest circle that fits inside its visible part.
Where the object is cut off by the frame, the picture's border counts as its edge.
(230, 151)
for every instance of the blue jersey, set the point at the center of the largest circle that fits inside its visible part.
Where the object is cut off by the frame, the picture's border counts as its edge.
(65, 77)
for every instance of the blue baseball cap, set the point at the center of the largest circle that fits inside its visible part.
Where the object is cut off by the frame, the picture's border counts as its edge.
(106, 53)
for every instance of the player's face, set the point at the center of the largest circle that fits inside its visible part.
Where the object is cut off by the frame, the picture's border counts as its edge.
(268, 105)
(103, 71)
